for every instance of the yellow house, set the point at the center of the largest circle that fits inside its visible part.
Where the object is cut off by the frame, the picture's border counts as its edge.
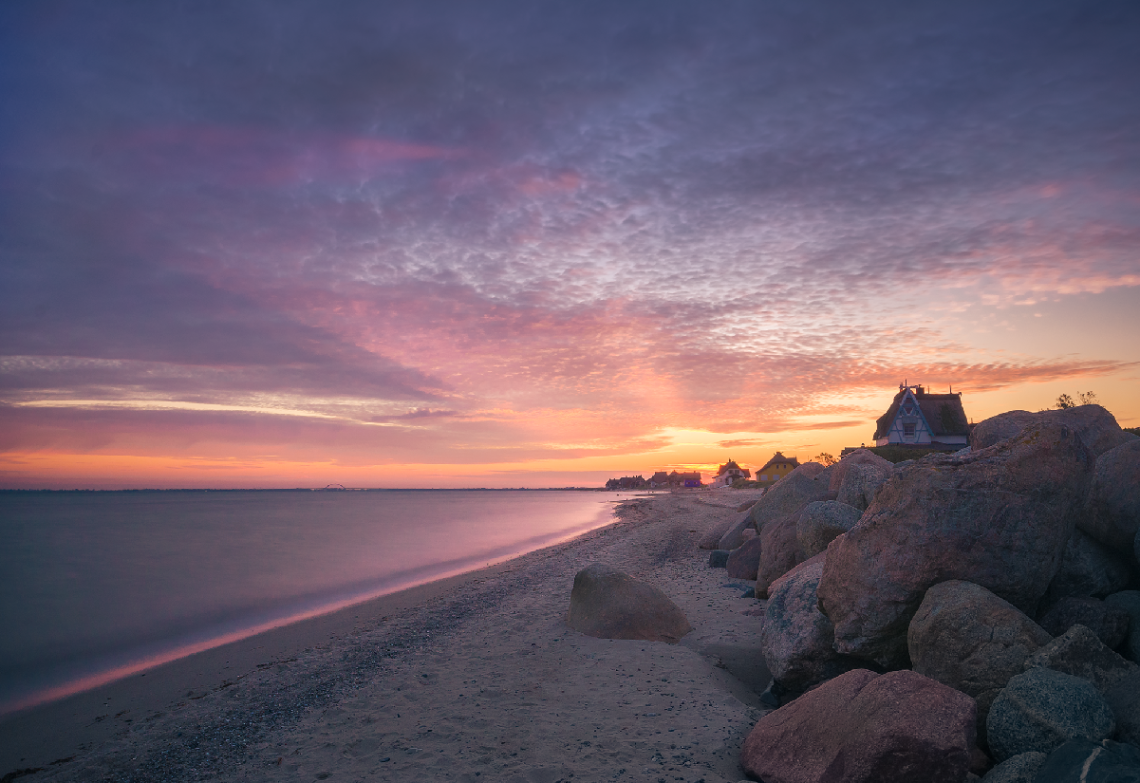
(775, 469)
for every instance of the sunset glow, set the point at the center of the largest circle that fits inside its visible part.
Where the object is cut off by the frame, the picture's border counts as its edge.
(388, 247)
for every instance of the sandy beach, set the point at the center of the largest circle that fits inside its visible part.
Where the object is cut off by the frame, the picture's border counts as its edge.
(472, 678)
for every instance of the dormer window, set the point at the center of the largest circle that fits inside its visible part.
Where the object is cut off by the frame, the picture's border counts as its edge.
(908, 429)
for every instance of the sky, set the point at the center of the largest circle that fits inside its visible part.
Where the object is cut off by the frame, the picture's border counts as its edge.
(281, 243)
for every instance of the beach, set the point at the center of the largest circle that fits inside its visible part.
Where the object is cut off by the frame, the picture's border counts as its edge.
(476, 677)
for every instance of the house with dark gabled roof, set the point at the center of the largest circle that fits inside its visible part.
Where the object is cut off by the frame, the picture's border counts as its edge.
(730, 472)
(917, 417)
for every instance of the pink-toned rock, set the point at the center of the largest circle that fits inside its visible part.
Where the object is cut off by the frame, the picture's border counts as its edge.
(780, 552)
(744, 561)
(862, 727)
(999, 518)
(611, 605)
(711, 539)
(1087, 569)
(734, 536)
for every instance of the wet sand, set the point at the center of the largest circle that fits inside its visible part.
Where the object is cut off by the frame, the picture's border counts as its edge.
(476, 677)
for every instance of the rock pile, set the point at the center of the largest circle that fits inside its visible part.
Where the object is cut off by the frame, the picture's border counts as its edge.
(948, 613)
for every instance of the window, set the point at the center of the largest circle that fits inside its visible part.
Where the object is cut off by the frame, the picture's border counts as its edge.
(908, 430)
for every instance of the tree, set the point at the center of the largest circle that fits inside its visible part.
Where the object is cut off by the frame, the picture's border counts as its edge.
(825, 458)
(1083, 398)
(1065, 401)
(1087, 398)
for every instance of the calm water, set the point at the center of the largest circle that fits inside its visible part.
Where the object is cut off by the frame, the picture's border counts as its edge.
(95, 585)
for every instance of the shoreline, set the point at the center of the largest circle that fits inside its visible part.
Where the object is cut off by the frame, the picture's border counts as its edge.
(290, 674)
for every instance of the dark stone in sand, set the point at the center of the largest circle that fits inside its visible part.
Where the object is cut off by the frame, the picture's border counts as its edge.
(743, 562)
(1041, 709)
(1108, 622)
(611, 605)
(862, 727)
(1082, 761)
(999, 518)
(718, 558)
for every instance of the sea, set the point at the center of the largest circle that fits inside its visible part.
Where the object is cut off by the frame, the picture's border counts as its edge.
(95, 586)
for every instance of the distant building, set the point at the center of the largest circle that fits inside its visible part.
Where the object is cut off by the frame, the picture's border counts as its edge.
(775, 469)
(730, 472)
(917, 417)
(675, 479)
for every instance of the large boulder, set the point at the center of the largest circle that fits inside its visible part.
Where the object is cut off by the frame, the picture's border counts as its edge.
(1080, 653)
(780, 552)
(788, 496)
(838, 471)
(1112, 515)
(1096, 427)
(999, 518)
(863, 727)
(1041, 709)
(966, 637)
(862, 483)
(796, 640)
(743, 562)
(1087, 569)
(998, 428)
(1129, 601)
(734, 536)
(1082, 761)
(821, 522)
(611, 605)
(1108, 622)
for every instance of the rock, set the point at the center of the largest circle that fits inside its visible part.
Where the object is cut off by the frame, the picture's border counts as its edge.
(1021, 768)
(862, 483)
(796, 640)
(718, 558)
(1109, 623)
(1041, 709)
(611, 605)
(838, 471)
(1112, 515)
(1096, 427)
(820, 522)
(747, 534)
(746, 505)
(734, 536)
(966, 637)
(711, 539)
(862, 727)
(1082, 761)
(780, 552)
(1129, 601)
(1080, 653)
(998, 428)
(743, 562)
(810, 469)
(1087, 569)
(999, 518)
(787, 496)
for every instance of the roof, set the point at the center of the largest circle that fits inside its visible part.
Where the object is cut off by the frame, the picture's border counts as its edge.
(943, 412)
(730, 465)
(778, 457)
